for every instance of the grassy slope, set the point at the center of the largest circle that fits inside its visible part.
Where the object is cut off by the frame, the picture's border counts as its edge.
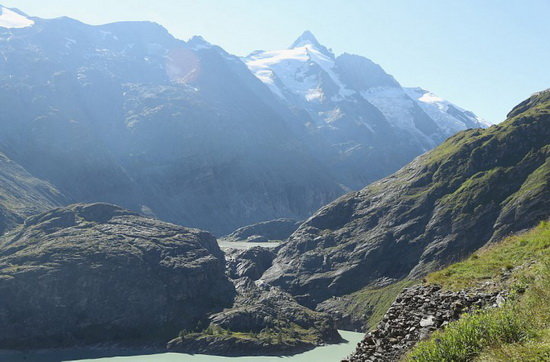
(371, 303)
(520, 330)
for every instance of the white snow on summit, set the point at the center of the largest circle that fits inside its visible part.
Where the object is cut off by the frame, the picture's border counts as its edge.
(12, 20)
(291, 68)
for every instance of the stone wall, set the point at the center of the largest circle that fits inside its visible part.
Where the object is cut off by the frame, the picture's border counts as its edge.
(416, 313)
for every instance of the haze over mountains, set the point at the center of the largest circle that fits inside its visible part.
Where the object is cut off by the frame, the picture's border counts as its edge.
(184, 131)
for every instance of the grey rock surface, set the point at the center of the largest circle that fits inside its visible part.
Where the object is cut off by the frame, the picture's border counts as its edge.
(251, 263)
(415, 314)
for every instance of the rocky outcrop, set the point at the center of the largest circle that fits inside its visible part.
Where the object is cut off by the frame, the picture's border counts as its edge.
(415, 314)
(476, 187)
(251, 263)
(264, 320)
(278, 229)
(22, 195)
(96, 273)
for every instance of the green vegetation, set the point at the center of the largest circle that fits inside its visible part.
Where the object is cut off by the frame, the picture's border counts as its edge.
(488, 262)
(518, 331)
(536, 182)
(290, 334)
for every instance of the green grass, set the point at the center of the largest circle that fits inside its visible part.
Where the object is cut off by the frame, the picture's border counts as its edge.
(489, 262)
(536, 182)
(518, 331)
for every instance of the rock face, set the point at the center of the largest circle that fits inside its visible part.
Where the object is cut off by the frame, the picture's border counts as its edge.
(96, 273)
(22, 195)
(415, 314)
(476, 187)
(278, 229)
(263, 320)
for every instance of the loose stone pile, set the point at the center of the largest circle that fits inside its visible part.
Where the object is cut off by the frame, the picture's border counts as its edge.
(415, 314)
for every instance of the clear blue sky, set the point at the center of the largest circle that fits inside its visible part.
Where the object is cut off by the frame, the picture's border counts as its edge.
(484, 55)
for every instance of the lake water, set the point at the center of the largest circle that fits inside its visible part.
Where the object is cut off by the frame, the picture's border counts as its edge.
(245, 245)
(330, 353)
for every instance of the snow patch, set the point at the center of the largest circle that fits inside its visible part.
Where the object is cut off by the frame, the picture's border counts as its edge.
(437, 108)
(12, 20)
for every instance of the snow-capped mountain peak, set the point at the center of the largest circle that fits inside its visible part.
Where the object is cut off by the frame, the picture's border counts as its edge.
(13, 19)
(308, 40)
(340, 91)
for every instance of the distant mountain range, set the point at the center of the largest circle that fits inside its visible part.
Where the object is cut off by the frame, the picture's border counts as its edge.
(125, 113)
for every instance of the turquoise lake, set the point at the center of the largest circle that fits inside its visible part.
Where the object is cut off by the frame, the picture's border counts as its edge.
(333, 352)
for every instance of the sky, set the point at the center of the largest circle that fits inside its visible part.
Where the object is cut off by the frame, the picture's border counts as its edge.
(483, 55)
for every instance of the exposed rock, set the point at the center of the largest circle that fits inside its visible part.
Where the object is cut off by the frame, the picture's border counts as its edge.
(251, 263)
(96, 273)
(263, 320)
(415, 314)
(278, 229)
(476, 187)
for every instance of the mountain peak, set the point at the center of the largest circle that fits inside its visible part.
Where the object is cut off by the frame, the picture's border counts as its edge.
(198, 42)
(307, 38)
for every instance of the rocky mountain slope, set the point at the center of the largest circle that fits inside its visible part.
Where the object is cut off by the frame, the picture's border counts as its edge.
(95, 273)
(476, 187)
(127, 114)
(22, 195)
